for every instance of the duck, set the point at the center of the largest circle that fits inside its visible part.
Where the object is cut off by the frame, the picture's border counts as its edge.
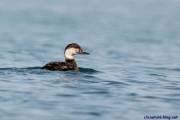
(70, 63)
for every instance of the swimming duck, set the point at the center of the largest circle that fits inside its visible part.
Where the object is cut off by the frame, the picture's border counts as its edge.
(70, 63)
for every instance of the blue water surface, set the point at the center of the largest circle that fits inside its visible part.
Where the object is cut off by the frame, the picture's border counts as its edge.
(133, 69)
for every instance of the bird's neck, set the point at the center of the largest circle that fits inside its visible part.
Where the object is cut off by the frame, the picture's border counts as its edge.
(73, 62)
(69, 53)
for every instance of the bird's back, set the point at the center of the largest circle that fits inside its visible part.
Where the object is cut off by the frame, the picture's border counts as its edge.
(60, 66)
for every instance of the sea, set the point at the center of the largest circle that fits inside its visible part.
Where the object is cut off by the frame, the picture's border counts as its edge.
(132, 72)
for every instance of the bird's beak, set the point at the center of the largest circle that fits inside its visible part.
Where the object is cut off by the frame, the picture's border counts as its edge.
(83, 52)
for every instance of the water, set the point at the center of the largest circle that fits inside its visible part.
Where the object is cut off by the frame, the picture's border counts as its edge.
(133, 69)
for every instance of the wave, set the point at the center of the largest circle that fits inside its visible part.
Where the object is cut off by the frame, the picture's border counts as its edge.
(88, 70)
(82, 70)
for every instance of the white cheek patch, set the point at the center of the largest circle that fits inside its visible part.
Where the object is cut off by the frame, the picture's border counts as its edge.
(69, 53)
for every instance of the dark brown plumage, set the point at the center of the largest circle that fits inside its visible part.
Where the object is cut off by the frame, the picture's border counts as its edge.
(72, 45)
(70, 64)
(61, 66)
